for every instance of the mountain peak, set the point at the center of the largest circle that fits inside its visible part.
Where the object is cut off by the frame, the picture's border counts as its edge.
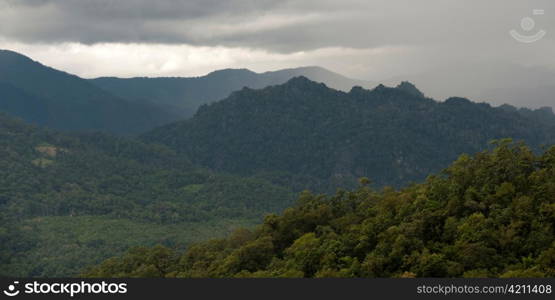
(380, 88)
(312, 69)
(409, 88)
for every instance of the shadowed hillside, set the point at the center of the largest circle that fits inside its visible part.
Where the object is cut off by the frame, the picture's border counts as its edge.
(185, 95)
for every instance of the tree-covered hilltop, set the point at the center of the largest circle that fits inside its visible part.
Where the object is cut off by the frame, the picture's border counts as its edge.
(487, 215)
(184, 95)
(67, 201)
(306, 134)
(48, 97)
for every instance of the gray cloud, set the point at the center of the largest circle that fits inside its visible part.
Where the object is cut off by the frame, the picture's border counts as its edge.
(446, 43)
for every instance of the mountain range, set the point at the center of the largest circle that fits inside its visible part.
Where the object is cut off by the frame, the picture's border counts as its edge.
(185, 95)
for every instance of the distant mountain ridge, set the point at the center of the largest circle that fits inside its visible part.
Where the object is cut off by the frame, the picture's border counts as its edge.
(392, 135)
(70, 200)
(254, 139)
(186, 94)
(45, 96)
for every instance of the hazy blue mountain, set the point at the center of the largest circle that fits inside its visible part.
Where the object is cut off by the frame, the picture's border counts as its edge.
(478, 218)
(185, 95)
(45, 96)
(302, 128)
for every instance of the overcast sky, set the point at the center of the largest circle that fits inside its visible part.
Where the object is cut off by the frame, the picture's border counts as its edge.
(370, 39)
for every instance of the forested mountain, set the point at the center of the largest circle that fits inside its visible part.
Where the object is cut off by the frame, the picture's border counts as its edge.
(49, 97)
(493, 81)
(487, 215)
(305, 133)
(67, 201)
(72, 199)
(185, 95)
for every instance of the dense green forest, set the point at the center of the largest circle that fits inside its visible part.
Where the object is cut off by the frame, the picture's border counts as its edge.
(52, 98)
(67, 201)
(48, 97)
(487, 215)
(305, 134)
